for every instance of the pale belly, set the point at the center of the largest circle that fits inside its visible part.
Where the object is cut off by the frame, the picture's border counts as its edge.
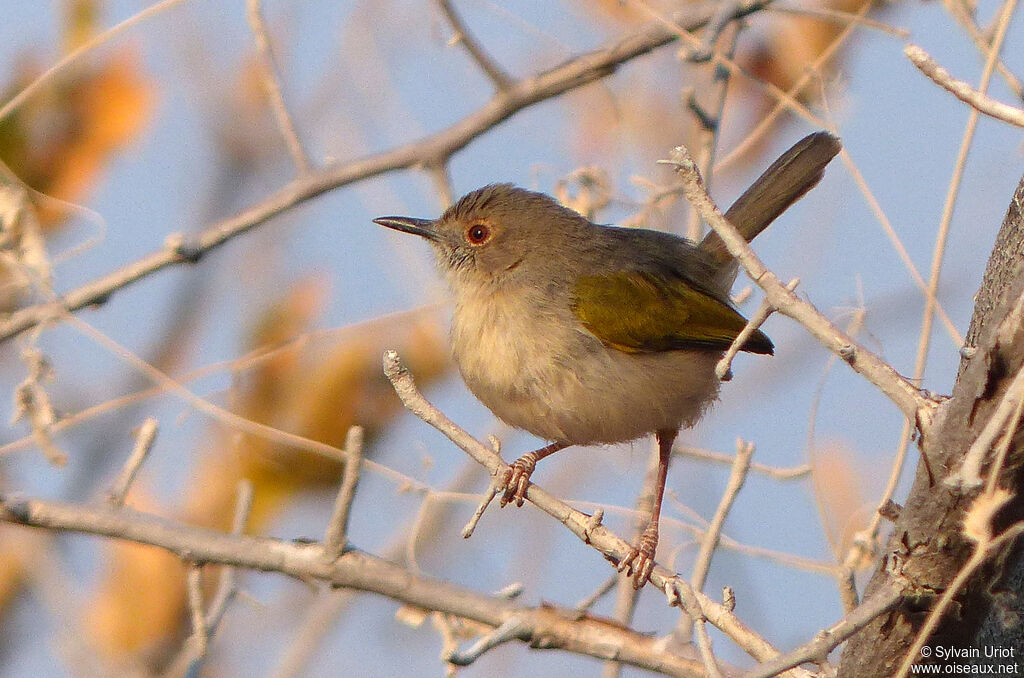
(547, 375)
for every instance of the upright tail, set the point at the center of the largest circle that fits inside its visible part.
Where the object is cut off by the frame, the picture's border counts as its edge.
(796, 171)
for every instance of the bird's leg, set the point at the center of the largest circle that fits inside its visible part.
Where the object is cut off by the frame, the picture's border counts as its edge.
(517, 476)
(640, 562)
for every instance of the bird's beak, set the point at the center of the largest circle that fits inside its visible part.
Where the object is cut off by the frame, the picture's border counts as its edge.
(421, 227)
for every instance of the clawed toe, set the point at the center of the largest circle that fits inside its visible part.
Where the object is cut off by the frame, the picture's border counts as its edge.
(640, 562)
(516, 480)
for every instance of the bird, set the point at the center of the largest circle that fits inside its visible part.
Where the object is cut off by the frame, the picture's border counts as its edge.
(588, 334)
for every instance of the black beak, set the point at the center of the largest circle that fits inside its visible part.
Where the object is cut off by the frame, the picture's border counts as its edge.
(421, 227)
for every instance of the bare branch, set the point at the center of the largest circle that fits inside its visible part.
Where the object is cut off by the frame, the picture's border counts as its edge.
(575, 73)
(728, 459)
(337, 528)
(711, 123)
(272, 86)
(144, 440)
(502, 81)
(903, 394)
(740, 467)
(724, 367)
(963, 91)
(499, 636)
(585, 527)
(204, 625)
(983, 43)
(827, 640)
(357, 570)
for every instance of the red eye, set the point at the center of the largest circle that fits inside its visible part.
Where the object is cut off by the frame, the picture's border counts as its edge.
(478, 234)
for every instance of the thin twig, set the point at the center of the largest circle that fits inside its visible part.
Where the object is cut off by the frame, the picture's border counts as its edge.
(144, 439)
(521, 94)
(724, 367)
(725, 14)
(502, 81)
(190, 658)
(691, 42)
(493, 487)
(840, 17)
(740, 467)
(817, 650)
(903, 394)
(337, 528)
(983, 43)
(686, 599)
(439, 174)
(271, 84)
(812, 70)
(598, 593)
(709, 129)
(729, 459)
(962, 90)
(583, 526)
(508, 631)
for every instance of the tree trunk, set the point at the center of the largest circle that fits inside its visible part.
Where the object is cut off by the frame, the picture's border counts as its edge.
(927, 547)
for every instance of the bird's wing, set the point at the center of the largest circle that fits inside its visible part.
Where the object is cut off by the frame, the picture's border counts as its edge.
(636, 312)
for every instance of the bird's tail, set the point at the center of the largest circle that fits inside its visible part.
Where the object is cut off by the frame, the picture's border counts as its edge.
(796, 171)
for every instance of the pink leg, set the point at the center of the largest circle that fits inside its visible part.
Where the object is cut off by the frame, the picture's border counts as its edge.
(517, 477)
(640, 562)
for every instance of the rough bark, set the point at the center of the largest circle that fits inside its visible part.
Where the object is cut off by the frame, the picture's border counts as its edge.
(927, 547)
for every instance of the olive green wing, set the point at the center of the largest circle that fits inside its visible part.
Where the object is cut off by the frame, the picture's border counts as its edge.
(639, 313)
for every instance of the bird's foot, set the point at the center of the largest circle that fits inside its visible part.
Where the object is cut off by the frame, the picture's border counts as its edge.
(517, 479)
(640, 562)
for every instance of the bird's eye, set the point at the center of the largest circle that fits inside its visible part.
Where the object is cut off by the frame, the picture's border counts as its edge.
(478, 234)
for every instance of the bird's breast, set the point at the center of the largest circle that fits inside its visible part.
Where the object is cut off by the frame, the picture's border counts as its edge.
(504, 343)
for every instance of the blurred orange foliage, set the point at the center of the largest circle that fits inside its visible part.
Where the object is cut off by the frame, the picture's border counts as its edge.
(60, 140)
(315, 394)
(844, 501)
